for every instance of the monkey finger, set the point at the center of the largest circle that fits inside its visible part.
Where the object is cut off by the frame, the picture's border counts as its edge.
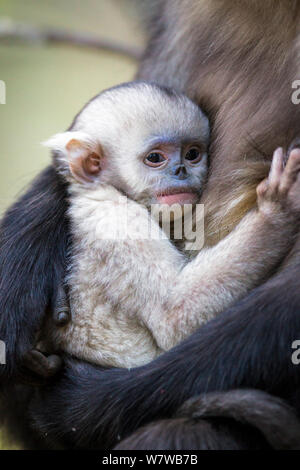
(276, 168)
(291, 171)
(61, 312)
(55, 363)
(41, 365)
(262, 188)
(62, 316)
(294, 145)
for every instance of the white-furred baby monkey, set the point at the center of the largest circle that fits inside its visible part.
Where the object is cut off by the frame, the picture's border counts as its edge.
(133, 298)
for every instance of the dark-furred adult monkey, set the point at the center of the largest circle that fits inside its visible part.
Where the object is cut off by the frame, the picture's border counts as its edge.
(221, 52)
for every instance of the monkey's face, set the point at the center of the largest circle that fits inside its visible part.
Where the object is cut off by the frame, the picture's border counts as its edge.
(170, 171)
(146, 141)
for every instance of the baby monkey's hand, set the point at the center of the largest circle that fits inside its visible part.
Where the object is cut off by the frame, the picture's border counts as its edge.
(279, 195)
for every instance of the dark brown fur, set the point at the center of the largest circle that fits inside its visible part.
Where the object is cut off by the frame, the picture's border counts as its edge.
(238, 59)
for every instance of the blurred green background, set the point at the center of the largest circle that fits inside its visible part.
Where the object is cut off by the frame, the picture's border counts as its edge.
(47, 85)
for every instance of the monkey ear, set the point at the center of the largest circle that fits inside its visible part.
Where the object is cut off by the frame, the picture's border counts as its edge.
(79, 153)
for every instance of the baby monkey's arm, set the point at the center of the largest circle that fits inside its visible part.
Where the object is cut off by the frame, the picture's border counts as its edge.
(149, 279)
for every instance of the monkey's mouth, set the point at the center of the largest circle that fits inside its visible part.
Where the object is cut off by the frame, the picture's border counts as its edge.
(178, 196)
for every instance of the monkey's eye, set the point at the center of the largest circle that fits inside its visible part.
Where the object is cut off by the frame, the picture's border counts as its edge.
(193, 155)
(155, 159)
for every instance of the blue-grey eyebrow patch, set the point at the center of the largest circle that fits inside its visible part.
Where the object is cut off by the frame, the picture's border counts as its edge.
(172, 139)
(163, 139)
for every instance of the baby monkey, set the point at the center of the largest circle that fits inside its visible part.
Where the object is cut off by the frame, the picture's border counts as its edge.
(133, 297)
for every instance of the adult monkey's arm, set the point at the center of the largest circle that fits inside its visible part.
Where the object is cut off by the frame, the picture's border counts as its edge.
(34, 242)
(248, 346)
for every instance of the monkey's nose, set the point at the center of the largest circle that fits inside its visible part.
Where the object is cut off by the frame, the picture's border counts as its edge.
(180, 172)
